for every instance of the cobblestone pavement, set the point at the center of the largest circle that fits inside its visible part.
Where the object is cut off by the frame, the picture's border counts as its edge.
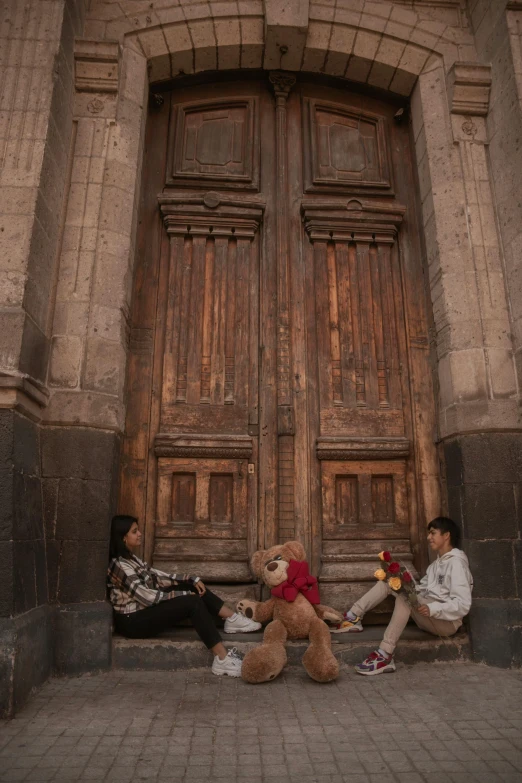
(430, 722)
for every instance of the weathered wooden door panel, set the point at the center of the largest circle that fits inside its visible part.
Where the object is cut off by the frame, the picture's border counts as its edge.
(203, 427)
(354, 209)
(191, 449)
(279, 333)
(210, 354)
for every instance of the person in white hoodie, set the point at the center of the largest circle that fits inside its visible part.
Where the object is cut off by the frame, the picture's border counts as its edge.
(444, 596)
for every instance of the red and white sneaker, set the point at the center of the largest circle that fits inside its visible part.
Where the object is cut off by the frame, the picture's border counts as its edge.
(376, 663)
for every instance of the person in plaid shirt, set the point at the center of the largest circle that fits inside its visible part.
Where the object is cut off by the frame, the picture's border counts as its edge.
(147, 601)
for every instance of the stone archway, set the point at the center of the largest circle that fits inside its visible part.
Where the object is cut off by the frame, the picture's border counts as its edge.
(406, 55)
(382, 45)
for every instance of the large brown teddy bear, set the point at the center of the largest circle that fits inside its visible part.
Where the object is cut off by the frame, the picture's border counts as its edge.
(293, 616)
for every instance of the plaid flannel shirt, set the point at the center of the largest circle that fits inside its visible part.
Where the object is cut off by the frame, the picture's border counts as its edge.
(133, 585)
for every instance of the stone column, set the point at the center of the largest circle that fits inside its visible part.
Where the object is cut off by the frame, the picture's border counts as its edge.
(36, 87)
(85, 415)
(479, 419)
(506, 157)
(498, 33)
(481, 423)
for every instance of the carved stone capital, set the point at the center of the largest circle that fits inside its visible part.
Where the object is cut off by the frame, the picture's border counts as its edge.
(469, 87)
(282, 82)
(96, 65)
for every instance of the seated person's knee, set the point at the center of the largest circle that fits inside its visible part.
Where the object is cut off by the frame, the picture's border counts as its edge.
(195, 603)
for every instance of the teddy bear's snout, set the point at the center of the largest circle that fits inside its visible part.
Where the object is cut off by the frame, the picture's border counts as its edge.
(275, 572)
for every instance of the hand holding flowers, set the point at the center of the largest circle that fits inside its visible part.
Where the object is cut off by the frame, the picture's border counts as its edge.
(399, 578)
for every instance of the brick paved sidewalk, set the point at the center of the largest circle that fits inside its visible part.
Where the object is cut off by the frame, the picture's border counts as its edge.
(440, 722)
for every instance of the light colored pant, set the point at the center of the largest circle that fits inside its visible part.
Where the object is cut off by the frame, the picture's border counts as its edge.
(401, 615)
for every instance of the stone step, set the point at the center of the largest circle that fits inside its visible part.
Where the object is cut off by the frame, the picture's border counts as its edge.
(181, 649)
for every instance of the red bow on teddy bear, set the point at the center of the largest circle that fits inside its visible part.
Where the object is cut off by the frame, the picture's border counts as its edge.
(298, 580)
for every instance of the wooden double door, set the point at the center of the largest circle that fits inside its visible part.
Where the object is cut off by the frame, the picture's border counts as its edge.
(278, 380)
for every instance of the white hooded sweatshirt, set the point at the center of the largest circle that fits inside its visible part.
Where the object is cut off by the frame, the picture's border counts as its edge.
(447, 585)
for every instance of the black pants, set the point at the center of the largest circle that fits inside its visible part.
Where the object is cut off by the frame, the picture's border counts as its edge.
(152, 620)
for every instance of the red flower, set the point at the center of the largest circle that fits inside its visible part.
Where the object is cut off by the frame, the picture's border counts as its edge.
(386, 556)
(394, 568)
(406, 577)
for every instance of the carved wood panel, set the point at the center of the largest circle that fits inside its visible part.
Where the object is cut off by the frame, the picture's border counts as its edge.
(202, 498)
(364, 500)
(357, 326)
(358, 320)
(210, 351)
(215, 144)
(346, 149)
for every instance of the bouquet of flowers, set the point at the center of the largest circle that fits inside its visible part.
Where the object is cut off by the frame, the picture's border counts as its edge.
(397, 576)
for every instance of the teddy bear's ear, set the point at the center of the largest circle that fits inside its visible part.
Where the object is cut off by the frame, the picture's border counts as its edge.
(256, 561)
(296, 550)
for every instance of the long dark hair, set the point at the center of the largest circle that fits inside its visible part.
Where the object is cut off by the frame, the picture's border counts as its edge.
(120, 526)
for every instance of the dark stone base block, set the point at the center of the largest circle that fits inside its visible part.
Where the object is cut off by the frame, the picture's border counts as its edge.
(496, 632)
(58, 488)
(484, 476)
(79, 476)
(83, 638)
(25, 657)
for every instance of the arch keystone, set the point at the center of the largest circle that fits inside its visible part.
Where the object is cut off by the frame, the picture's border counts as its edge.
(286, 26)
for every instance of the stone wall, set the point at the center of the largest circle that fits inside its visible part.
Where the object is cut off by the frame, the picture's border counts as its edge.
(483, 462)
(37, 44)
(25, 623)
(499, 41)
(35, 133)
(74, 96)
(484, 481)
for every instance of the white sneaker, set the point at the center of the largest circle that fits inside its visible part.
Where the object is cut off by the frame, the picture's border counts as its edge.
(230, 665)
(240, 624)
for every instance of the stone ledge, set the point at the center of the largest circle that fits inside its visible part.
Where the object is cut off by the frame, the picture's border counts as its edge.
(181, 650)
(469, 86)
(24, 394)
